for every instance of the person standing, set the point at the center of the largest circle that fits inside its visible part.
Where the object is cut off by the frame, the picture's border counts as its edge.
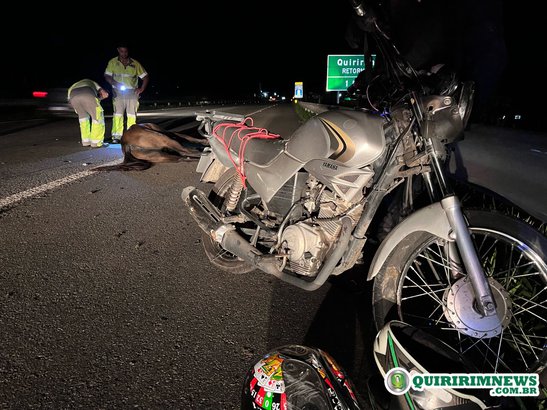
(123, 74)
(84, 97)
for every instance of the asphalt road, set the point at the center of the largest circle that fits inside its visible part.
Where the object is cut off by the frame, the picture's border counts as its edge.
(107, 299)
(510, 162)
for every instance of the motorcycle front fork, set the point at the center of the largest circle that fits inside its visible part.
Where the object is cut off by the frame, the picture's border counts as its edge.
(484, 299)
(460, 233)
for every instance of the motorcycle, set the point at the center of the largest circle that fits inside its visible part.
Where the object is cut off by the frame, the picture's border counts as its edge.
(301, 208)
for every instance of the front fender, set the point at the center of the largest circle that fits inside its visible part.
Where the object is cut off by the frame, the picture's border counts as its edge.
(430, 219)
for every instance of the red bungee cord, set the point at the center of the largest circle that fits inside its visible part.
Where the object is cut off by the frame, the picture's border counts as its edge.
(235, 130)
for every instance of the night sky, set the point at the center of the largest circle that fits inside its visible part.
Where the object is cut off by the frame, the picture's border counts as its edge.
(225, 48)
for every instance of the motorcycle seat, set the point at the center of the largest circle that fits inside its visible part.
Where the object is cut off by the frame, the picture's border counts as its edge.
(252, 144)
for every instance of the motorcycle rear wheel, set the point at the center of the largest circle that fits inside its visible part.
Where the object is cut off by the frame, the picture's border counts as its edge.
(415, 283)
(216, 254)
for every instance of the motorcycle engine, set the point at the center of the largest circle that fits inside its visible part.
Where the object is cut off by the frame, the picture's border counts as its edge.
(307, 242)
(306, 245)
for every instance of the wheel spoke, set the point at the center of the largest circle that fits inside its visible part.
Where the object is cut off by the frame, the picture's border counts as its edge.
(489, 249)
(511, 263)
(524, 275)
(477, 341)
(435, 262)
(418, 286)
(439, 320)
(500, 339)
(535, 304)
(516, 342)
(482, 244)
(431, 293)
(460, 341)
(525, 337)
(444, 322)
(432, 268)
(486, 361)
(523, 309)
(536, 295)
(434, 310)
(508, 270)
(517, 346)
(499, 359)
(514, 268)
(422, 294)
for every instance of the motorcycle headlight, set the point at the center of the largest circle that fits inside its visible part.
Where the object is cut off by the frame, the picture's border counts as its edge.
(449, 114)
(123, 88)
(465, 102)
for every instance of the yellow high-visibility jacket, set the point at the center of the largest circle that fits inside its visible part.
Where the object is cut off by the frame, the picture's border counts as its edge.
(84, 83)
(127, 76)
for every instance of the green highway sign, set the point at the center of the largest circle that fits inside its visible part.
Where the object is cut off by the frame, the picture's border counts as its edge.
(343, 69)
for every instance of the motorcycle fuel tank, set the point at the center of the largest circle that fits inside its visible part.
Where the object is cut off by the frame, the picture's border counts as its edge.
(353, 138)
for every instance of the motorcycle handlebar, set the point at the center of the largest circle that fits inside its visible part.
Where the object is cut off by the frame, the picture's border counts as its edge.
(218, 116)
(365, 16)
(367, 19)
(358, 7)
(207, 119)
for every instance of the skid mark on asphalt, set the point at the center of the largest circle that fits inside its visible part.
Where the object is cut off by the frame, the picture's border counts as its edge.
(29, 193)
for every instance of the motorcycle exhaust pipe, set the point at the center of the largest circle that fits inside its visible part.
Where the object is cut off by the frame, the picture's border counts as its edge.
(208, 219)
(236, 244)
(202, 210)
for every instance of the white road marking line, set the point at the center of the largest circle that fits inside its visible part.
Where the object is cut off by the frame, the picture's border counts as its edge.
(262, 109)
(20, 196)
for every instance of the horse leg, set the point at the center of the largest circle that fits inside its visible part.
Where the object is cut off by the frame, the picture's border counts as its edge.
(160, 141)
(157, 156)
(151, 126)
(201, 141)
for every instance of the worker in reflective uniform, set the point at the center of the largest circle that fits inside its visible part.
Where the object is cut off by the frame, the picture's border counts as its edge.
(84, 96)
(123, 73)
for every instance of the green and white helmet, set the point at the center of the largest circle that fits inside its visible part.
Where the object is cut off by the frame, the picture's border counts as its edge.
(401, 351)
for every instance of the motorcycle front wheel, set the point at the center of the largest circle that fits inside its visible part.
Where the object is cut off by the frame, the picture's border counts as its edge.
(216, 254)
(417, 285)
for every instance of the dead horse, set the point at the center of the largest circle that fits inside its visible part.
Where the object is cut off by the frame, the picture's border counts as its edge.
(146, 144)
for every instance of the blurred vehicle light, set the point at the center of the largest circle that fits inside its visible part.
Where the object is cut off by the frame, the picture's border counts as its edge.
(54, 101)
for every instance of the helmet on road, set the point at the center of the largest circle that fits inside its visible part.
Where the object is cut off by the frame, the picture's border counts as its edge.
(296, 377)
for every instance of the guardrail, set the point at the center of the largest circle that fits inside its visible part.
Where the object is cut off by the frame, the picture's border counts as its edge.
(193, 102)
(313, 108)
(306, 110)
